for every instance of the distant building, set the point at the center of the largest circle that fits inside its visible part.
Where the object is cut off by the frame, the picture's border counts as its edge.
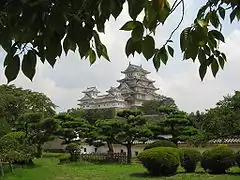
(134, 89)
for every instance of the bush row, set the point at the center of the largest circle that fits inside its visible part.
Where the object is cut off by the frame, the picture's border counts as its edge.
(165, 160)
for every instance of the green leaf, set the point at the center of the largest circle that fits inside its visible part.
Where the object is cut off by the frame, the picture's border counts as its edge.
(137, 33)
(207, 50)
(8, 58)
(163, 13)
(129, 26)
(224, 57)
(157, 60)
(201, 56)
(221, 61)
(51, 61)
(214, 67)
(101, 25)
(151, 17)
(184, 38)
(216, 53)
(104, 52)
(238, 15)
(129, 49)
(29, 64)
(214, 19)
(192, 51)
(148, 47)
(202, 70)
(170, 50)
(83, 47)
(92, 56)
(218, 35)
(202, 11)
(202, 22)
(54, 47)
(69, 44)
(233, 14)
(135, 7)
(12, 68)
(100, 48)
(221, 12)
(118, 8)
(212, 42)
(163, 55)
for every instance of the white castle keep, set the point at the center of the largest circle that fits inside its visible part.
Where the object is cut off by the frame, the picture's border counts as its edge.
(134, 89)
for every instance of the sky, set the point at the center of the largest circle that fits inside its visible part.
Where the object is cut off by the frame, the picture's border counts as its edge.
(178, 79)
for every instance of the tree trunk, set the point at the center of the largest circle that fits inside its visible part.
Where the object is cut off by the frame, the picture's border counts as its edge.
(174, 136)
(39, 151)
(110, 150)
(110, 147)
(129, 153)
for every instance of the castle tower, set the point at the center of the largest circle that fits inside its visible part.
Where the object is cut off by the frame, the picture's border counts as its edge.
(135, 87)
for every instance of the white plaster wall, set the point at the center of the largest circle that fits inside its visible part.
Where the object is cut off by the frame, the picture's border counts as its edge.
(116, 147)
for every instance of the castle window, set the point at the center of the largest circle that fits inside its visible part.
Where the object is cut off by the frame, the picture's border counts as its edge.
(85, 150)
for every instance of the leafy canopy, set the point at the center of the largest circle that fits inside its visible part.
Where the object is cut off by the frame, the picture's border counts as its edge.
(177, 124)
(14, 102)
(49, 28)
(222, 121)
(151, 107)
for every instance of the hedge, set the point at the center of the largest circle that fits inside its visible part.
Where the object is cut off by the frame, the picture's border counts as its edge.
(160, 160)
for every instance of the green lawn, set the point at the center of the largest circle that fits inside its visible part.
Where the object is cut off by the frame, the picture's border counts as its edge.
(48, 169)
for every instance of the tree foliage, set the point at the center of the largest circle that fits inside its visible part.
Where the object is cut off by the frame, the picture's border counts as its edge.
(176, 123)
(37, 129)
(92, 115)
(15, 149)
(71, 129)
(151, 106)
(4, 127)
(129, 128)
(17, 101)
(222, 121)
(48, 29)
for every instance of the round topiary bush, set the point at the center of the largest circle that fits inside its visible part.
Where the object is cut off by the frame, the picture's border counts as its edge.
(160, 160)
(189, 159)
(161, 143)
(238, 158)
(217, 160)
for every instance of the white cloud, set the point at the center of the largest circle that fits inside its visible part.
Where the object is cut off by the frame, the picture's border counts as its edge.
(179, 79)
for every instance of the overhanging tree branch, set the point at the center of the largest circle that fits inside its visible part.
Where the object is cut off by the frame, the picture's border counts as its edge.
(183, 14)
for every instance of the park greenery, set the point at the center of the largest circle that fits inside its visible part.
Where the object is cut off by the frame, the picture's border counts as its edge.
(28, 120)
(43, 30)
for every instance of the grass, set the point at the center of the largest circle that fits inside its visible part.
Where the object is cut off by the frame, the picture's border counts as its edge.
(48, 169)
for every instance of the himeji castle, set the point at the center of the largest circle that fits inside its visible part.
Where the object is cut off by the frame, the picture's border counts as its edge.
(133, 90)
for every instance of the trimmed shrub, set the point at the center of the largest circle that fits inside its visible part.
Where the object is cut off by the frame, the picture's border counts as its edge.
(52, 155)
(238, 158)
(189, 159)
(64, 158)
(217, 160)
(160, 160)
(14, 149)
(161, 143)
(72, 149)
